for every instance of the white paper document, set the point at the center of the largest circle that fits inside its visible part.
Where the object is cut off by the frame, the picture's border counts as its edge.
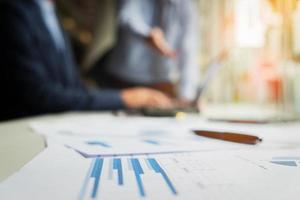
(60, 174)
(118, 136)
(112, 126)
(106, 135)
(106, 157)
(126, 146)
(56, 173)
(103, 125)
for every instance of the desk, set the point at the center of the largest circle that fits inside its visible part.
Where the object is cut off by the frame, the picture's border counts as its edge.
(22, 145)
(19, 144)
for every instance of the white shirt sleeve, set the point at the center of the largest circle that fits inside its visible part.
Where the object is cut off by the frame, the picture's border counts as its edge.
(188, 53)
(131, 16)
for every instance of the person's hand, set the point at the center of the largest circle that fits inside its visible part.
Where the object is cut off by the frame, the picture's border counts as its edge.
(157, 40)
(183, 103)
(143, 97)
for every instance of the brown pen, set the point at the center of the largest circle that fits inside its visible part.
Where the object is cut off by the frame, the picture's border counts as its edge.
(229, 136)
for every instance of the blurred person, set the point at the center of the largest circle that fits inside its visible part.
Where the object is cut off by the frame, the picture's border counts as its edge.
(38, 73)
(156, 46)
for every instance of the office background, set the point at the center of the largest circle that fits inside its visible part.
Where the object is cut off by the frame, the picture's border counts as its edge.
(262, 38)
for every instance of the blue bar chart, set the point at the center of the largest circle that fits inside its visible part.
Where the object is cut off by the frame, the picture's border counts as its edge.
(110, 172)
(107, 145)
(92, 147)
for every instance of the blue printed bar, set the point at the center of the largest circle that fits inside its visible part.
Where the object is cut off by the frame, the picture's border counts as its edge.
(137, 168)
(85, 183)
(96, 174)
(157, 168)
(98, 143)
(117, 165)
(285, 163)
(111, 169)
(287, 158)
(154, 142)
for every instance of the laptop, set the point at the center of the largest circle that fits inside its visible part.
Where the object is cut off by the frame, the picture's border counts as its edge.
(212, 70)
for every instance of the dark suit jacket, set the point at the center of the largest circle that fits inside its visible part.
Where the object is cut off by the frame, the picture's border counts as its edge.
(35, 77)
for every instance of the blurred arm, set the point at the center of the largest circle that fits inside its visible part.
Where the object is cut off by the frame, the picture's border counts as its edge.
(131, 16)
(28, 80)
(188, 53)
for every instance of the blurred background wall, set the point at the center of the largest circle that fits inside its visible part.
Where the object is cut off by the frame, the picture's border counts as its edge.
(261, 36)
(91, 25)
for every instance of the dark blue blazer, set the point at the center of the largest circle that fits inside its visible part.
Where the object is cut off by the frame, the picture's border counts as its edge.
(35, 77)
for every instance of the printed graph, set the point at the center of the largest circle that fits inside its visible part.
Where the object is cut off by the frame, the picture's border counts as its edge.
(135, 168)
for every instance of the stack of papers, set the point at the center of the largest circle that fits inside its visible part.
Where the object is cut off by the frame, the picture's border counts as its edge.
(108, 157)
(59, 173)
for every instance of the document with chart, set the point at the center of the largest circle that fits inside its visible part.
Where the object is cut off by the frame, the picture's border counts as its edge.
(115, 126)
(190, 176)
(91, 147)
(60, 173)
(120, 136)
